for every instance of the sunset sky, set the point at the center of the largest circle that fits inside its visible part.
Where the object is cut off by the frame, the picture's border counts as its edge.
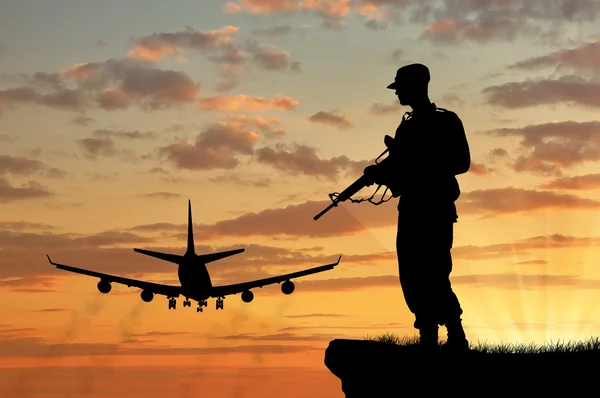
(113, 114)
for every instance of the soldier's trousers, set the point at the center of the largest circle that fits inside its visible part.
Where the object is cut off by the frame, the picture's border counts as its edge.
(423, 246)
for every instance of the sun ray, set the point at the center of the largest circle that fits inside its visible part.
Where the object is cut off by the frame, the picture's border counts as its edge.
(523, 302)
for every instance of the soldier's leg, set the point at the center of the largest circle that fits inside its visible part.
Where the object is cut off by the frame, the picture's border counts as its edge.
(449, 309)
(410, 253)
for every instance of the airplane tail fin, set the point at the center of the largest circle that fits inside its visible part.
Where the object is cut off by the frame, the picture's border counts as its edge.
(190, 240)
(204, 258)
(177, 259)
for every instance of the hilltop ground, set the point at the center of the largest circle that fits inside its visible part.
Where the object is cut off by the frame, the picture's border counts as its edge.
(390, 366)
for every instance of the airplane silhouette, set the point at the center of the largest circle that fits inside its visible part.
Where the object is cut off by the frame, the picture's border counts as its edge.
(193, 276)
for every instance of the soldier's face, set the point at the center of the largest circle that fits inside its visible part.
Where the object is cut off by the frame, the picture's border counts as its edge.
(406, 93)
(401, 97)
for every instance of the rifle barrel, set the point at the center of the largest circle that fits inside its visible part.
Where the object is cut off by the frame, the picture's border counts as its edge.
(331, 206)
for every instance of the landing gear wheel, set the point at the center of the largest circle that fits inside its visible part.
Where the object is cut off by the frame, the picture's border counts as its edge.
(187, 303)
(172, 303)
(220, 302)
(201, 303)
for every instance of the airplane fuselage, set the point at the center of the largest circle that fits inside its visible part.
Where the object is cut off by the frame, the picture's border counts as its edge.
(194, 278)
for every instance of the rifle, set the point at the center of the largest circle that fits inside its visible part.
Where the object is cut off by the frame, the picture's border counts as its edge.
(360, 183)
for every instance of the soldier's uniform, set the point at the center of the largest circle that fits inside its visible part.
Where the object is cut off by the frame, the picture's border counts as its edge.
(429, 149)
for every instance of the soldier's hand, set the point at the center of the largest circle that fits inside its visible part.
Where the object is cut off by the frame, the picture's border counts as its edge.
(371, 172)
(388, 141)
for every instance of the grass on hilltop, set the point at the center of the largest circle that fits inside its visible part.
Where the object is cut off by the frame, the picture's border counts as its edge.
(590, 345)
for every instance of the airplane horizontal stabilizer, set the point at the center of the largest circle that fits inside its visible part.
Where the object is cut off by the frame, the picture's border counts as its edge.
(207, 258)
(173, 258)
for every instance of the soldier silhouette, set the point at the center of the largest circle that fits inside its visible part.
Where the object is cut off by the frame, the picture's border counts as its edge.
(429, 150)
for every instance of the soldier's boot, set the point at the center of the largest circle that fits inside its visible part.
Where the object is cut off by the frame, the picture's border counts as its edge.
(457, 340)
(428, 341)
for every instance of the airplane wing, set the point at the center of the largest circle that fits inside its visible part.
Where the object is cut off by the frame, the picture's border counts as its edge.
(156, 288)
(224, 290)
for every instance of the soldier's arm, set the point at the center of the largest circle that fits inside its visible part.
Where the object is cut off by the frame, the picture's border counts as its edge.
(460, 159)
(387, 170)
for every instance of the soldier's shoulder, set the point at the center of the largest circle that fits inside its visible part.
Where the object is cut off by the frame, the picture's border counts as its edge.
(446, 113)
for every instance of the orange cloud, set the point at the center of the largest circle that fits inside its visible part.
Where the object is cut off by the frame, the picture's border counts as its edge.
(159, 45)
(262, 182)
(382, 109)
(24, 225)
(34, 283)
(588, 181)
(216, 147)
(503, 201)
(501, 19)
(585, 57)
(112, 84)
(566, 89)
(20, 166)
(82, 121)
(480, 169)
(94, 147)
(268, 57)
(262, 6)
(274, 31)
(331, 12)
(550, 147)
(114, 99)
(453, 31)
(332, 118)
(131, 134)
(497, 153)
(5, 137)
(219, 47)
(157, 51)
(58, 98)
(304, 159)
(453, 22)
(247, 103)
(268, 127)
(328, 9)
(30, 190)
(160, 195)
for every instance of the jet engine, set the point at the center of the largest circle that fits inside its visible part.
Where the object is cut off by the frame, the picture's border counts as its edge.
(147, 295)
(287, 287)
(104, 286)
(247, 296)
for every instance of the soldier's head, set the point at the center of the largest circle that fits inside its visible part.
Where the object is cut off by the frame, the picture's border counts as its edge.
(411, 84)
